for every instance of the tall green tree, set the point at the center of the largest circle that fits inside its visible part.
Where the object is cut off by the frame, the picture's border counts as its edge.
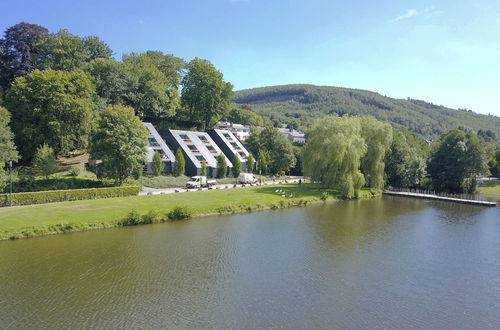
(53, 107)
(245, 116)
(221, 166)
(180, 163)
(236, 166)
(65, 51)
(205, 94)
(17, 51)
(204, 168)
(456, 161)
(157, 164)
(8, 150)
(333, 152)
(110, 79)
(154, 80)
(250, 163)
(378, 139)
(406, 160)
(45, 161)
(119, 141)
(278, 150)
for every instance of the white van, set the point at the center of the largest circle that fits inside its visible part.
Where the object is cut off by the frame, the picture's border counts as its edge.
(247, 178)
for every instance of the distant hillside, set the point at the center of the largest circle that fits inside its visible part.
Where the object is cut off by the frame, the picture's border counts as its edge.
(302, 104)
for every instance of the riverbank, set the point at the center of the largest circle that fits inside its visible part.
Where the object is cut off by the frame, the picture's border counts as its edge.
(37, 220)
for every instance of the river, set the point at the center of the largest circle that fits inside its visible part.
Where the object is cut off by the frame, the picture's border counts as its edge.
(388, 263)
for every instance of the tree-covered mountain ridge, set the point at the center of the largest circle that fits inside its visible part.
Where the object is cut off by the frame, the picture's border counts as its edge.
(301, 104)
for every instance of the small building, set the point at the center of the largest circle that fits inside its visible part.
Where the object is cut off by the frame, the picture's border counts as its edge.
(157, 144)
(196, 148)
(240, 131)
(293, 135)
(229, 145)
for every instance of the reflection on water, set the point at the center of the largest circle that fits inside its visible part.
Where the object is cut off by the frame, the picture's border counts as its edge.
(382, 263)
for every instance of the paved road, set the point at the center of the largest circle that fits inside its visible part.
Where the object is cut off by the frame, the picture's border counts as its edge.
(152, 191)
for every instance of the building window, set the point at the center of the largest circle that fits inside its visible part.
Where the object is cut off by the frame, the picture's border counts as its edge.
(203, 137)
(192, 147)
(184, 136)
(200, 158)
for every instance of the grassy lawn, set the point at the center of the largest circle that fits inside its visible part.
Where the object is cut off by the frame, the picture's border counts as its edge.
(490, 188)
(34, 220)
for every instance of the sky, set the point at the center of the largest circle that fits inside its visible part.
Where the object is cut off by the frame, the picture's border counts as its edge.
(445, 52)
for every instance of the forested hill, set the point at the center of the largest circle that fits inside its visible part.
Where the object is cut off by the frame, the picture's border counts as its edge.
(302, 104)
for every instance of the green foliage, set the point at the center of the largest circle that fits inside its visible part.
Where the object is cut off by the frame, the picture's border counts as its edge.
(406, 160)
(307, 103)
(153, 83)
(275, 151)
(333, 153)
(456, 161)
(74, 171)
(180, 163)
(204, 168)
(245, 116)
(157, 164)
(42, 197)
(17, 50)
(236, 166)
(110, 79)
(250, 164)
(65, 51)
(7, 148)
(44, 161)
(119, 141)
(221, 166)
(179, 213)
(378, 139)
(205, 94)
(132, 219)
(52, 107)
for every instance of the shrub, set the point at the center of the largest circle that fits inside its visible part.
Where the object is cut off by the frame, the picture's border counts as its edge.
(132, 219)
(45, 161)
(42, 197)
(324, 196)
(150, 217)
(179, 213)
(74, 171)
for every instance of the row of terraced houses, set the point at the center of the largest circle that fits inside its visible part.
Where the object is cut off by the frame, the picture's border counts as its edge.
(196, 148)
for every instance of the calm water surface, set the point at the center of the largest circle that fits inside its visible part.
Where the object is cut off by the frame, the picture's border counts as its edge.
(388, 263)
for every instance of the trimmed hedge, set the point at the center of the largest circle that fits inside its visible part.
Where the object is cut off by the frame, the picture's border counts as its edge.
(52, 196)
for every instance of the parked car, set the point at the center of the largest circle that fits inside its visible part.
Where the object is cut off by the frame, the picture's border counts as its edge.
(199, 181)
(247, 178)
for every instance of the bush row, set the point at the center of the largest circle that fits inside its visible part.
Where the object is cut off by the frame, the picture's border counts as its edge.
(134, 218)
(41, 197)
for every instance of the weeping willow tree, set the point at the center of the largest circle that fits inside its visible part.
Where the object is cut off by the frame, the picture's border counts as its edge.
(333, 153)
(378, 138)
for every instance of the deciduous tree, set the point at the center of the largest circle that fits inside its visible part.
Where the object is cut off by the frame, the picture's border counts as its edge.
(250, 163)
(205, 94)
(456, 161)
(45, 161)
(52, 107)
(333, 152)
(8, 150)
(17, 51)
(378, 138)
(236, 166)
(119, 141)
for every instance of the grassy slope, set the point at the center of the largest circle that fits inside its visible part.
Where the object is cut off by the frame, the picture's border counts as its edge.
(490, 189)
(306, 103)
(50, 218)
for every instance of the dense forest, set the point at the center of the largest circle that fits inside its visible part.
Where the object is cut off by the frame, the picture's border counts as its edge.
(300, 105)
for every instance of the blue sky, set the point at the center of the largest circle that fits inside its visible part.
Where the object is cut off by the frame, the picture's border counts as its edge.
(445, 52)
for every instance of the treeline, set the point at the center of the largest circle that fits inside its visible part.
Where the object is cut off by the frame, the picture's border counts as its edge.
(300, 105)
(61, 92)
(351, 152)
